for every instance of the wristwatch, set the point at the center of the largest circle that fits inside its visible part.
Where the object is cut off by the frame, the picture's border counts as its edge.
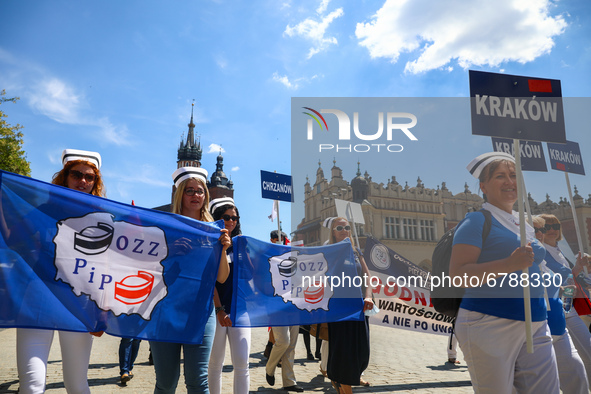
(218, 309)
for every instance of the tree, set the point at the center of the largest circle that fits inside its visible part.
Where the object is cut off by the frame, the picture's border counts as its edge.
(12, 155)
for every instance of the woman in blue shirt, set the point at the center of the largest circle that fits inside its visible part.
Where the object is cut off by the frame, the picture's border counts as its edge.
(561, 266)
(490, 325)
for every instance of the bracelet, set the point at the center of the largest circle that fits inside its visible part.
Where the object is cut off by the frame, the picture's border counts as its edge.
(218, 309)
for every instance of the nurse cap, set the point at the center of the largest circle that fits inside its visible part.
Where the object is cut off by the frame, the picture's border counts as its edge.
(75, 154)
(218, 202)
(477, 164)
(328, 222)
(189, 172)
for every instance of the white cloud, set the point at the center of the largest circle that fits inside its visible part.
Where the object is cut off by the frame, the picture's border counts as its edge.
(139, 174)
(295, 84)
(117, 135)
(215, 148)
(315, 31)
(53, 98)
(322, 7)
(477, 32)
(234, 169)
(283, 79)
(221, 61)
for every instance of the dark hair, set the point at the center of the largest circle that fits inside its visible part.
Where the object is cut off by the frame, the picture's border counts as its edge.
(274, 235)
(219, 211)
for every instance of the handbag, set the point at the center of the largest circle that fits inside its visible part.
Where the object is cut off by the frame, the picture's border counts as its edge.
(581, 303)
(319, 331)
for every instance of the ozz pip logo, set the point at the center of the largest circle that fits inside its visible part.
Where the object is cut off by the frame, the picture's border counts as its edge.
(392, 124)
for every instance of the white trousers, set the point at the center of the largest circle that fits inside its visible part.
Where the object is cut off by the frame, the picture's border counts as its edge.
(324, 355)
(32, 352)
(452, 345)
(495, 352)
(573, 378)
(239, 338)
(286, 338)
(579, 333)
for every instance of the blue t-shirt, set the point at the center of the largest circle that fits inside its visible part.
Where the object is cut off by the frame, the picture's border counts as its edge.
(504, 301)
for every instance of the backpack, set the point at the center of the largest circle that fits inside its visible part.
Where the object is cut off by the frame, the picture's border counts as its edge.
(447, 299)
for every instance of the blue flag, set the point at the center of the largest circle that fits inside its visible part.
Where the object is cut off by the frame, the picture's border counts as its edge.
(276, 285)
(77, 262)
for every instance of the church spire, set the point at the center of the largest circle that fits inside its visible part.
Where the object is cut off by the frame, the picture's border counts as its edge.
(189, 153)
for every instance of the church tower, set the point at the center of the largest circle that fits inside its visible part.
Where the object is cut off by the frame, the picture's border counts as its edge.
(189, 153)
(220, 185)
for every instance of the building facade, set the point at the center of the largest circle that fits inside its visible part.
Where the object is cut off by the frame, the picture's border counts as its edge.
(410, 220)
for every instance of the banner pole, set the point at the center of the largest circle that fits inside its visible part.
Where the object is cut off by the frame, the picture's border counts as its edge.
(526, 289)
(575, 220)
(350, 212)
(530, 220)
(278, 224)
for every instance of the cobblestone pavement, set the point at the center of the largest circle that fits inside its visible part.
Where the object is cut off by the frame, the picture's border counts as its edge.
(401, 361)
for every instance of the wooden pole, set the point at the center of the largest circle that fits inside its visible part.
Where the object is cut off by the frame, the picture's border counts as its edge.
(526, 289)
(577, 229)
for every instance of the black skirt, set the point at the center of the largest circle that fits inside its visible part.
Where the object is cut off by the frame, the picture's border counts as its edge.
(348, 351)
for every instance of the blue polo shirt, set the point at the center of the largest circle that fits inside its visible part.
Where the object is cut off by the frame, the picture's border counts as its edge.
(504, 301)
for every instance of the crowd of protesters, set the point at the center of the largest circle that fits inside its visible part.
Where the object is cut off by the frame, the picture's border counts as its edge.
(490, 326)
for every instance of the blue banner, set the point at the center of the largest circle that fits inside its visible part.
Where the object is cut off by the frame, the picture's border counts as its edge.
(566, 157)
(77, 262)
(276, 285)
(276, 186)
(531, 153)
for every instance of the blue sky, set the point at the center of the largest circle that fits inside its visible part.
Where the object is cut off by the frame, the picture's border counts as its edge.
(120, 77)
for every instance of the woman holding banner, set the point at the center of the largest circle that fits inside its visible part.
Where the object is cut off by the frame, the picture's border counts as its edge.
(239, 337)
(490, 325)
(81, 171)
(348, 352)
(191, 199)
(571, 370)
(560, 265)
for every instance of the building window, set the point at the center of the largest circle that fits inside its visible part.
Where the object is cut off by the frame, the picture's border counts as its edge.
(427, 228)
(391, 228)
(409, 229)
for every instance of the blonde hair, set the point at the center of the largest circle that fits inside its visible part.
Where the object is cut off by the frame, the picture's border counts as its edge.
(489, 170)
(331, 237)
(552, 219)
(61, 177)
(177, 200)
(538, 221)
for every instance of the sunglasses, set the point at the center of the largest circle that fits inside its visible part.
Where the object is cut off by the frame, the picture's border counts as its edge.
(77, 175)
(228, 217)
(341, 228)
(192, 192)
(541, 230)
(555, 226)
